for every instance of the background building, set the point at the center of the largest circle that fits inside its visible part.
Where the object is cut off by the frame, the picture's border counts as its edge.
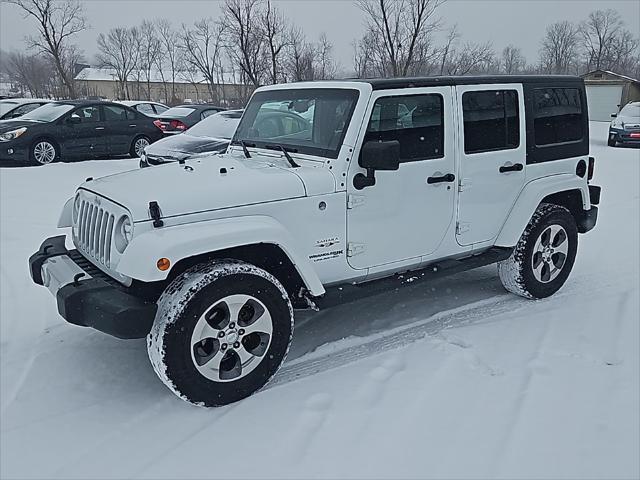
(608, 92)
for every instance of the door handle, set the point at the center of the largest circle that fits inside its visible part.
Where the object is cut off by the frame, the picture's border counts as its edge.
(516, 167)
(449, 177)
(99, 128)
(133, 126)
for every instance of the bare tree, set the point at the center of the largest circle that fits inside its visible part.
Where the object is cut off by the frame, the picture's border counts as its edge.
(31, 72)
(471, 58)
(401, 31)
(560, 48)
(168, 59)
(274, 31)
(245, 40)
(300, 57)
(119, 51)
(512, 60)
(202, 46)
(58, 21)
(326, 67)
(599, 33)
(452, 37)
(149, 46)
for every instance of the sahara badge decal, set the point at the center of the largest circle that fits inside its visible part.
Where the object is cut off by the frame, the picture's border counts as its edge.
(326, 243)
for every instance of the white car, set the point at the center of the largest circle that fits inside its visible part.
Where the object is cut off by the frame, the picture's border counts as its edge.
(625, 127)
(150, 109)
(11, 108)
(208, 258)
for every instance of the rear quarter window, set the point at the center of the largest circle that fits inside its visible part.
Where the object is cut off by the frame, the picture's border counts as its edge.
(558, 115)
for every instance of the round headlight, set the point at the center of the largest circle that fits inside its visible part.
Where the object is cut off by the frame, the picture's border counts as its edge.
(123, 233)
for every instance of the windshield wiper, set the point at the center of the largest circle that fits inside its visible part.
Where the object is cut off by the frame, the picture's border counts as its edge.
(244, 146)
(284, 151)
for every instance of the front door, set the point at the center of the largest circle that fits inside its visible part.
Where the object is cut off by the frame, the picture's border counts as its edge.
(492, 146)
(82, 133)
(407, 212)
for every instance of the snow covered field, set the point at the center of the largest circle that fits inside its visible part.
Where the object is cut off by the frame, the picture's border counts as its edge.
(450, 379)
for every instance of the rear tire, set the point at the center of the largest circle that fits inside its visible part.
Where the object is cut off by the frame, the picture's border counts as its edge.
(138, 145)
(543, 258)
(221, 332)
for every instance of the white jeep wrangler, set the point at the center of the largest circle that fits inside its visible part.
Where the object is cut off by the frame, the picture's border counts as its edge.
(354, 184)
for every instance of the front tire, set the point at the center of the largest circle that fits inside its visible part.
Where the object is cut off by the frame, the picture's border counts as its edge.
(43, 152)
(544, 256)
(221, 332)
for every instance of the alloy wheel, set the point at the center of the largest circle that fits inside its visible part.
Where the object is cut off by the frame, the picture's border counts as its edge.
(44, 152)
(550, 253)
(231, 338)
(140, 145)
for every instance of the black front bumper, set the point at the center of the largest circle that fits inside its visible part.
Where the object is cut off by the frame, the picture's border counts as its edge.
(99, 301)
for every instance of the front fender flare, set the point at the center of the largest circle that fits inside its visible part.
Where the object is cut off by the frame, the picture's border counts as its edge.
(530, 197)
(183, 241)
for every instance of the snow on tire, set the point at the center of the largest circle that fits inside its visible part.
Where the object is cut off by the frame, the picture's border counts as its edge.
(222, 331)
(543, 258)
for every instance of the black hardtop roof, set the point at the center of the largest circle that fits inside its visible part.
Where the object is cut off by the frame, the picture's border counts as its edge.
(409, 82)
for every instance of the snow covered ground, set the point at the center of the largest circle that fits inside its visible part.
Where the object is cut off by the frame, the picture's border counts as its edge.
(451, 379)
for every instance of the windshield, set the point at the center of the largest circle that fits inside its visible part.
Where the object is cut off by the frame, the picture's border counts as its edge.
(6, 106)
(631, 111)
(220, 125)
(48, 112)
(309, 121)
(178, 112)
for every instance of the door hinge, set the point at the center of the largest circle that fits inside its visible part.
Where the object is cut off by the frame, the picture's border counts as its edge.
(354, 201)
(462, 227)
(465, 184)
(354, 249)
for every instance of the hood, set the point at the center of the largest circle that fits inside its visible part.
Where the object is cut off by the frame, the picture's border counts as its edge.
(186, 144)
(629, 122)
(8, 125)
(206, 183)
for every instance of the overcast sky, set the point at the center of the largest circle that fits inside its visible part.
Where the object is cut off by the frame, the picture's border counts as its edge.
(521, 22)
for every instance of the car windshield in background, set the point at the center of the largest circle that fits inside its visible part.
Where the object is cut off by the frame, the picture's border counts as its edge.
(48, 112)
(309, 121)
(178, 112)
(631, 111)
(220, 125)
(6, 106)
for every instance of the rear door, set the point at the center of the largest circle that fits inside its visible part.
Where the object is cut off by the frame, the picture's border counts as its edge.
(121, 128)
(81, 133)
(492, 149)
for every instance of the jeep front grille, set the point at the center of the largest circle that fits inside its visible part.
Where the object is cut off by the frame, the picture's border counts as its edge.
(95, 231)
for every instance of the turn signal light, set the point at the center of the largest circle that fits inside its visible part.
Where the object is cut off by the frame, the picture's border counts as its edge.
(163, 264)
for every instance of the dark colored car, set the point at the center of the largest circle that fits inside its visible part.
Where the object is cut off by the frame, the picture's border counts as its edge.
(625, 128)
(17, 107)
(181, 118)
(76, 129)
(211, 135)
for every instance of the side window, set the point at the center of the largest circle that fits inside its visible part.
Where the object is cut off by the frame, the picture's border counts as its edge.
(145, 108)
(87, 114)
(159, 108)
(207, 113)
(21, 110)
(113, 113)
(557, 116)
(491, 120)
(416, 121)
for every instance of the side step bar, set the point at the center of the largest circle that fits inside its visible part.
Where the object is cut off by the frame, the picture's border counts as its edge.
(347, 293)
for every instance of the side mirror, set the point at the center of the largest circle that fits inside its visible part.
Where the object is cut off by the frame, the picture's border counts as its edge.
(614, 115)
(377, 156)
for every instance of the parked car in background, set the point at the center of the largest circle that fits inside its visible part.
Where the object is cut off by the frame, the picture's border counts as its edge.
(16, 107)
(625, 127)
(150, 109)
(76, 129)
(211, 135)
(180, 118)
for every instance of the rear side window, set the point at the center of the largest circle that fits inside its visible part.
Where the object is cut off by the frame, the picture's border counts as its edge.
(145, 108)
(416, 121)
(113, 113)
(491, 120)
(557, 116)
